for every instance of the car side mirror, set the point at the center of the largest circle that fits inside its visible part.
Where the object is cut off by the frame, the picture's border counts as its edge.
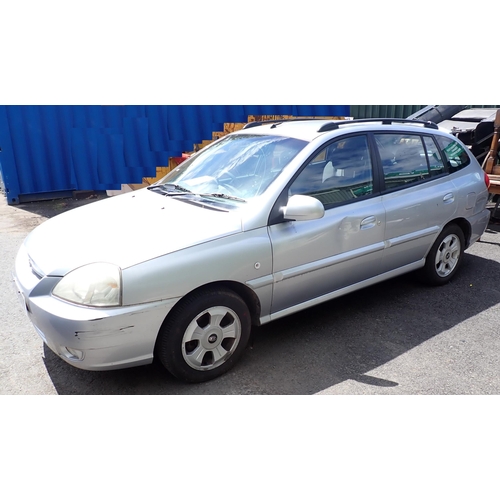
(301, 207)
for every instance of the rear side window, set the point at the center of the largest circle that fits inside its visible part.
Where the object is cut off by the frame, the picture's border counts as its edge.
(404, 159)
(455, 154)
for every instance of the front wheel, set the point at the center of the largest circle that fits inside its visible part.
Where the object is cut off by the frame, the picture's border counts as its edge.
(445, 256)
(205, 335)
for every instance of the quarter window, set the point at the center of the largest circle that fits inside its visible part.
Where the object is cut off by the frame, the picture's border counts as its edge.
(340, 172)
(455, 154)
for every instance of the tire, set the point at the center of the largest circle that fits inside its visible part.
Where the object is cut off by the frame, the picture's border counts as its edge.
(445, 256)
(205, 335)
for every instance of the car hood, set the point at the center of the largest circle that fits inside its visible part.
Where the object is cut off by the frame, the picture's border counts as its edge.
(125, 230)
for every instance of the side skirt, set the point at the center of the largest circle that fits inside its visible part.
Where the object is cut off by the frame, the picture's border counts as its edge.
(343, 291)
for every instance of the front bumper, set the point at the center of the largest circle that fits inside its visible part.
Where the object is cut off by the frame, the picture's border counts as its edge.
(87, 337)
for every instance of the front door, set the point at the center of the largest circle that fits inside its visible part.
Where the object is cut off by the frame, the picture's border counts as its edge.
(314, 258)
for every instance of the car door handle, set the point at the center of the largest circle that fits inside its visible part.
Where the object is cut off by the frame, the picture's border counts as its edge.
(449, 198)
(368, 222)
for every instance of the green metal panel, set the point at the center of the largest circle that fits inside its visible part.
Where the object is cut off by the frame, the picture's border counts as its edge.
(384, 111)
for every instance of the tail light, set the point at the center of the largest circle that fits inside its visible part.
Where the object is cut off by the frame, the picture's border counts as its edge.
(487, 180)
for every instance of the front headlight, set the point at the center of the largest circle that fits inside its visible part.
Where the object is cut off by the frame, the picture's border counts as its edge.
(98, 285)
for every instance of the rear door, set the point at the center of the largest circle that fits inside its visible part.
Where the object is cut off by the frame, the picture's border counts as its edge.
(419, 197)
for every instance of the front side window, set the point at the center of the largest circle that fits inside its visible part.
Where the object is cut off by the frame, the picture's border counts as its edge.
(455, 154)
(340, 172)
(404, 159)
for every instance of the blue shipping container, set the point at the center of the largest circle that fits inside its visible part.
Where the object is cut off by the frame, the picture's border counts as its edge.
(51, 151)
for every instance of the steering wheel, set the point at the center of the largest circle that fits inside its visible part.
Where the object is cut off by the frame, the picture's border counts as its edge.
(226, 181)
(226, 174)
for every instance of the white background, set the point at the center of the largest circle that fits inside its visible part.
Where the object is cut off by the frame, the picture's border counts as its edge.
(258, 52)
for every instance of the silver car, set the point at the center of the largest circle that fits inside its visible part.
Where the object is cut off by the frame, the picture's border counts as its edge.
(260, 224)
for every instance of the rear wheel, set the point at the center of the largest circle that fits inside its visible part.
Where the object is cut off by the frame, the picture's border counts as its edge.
(205, 335)
(445, 256)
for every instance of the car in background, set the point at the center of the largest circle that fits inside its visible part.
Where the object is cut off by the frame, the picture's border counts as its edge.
(260, 224)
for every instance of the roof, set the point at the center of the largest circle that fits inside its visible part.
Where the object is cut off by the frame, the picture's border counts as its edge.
(311, 128)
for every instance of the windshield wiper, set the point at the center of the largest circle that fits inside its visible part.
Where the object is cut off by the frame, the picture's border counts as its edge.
(175, 190)
(222, 195)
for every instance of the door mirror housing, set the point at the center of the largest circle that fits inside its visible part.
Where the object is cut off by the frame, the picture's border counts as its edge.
(301, 207)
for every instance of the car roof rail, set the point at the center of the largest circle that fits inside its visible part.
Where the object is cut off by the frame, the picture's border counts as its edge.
(334, 125)
(277, 121)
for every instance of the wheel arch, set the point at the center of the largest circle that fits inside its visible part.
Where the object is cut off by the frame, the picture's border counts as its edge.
(247, 294)
(464, 225)
(249, 297)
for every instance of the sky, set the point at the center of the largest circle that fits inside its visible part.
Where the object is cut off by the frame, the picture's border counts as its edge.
(109, 52)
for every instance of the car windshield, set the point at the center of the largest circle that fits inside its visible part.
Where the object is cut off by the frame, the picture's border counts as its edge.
(238, 167)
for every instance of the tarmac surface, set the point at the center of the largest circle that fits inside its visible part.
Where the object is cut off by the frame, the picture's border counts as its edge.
(398, 337)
